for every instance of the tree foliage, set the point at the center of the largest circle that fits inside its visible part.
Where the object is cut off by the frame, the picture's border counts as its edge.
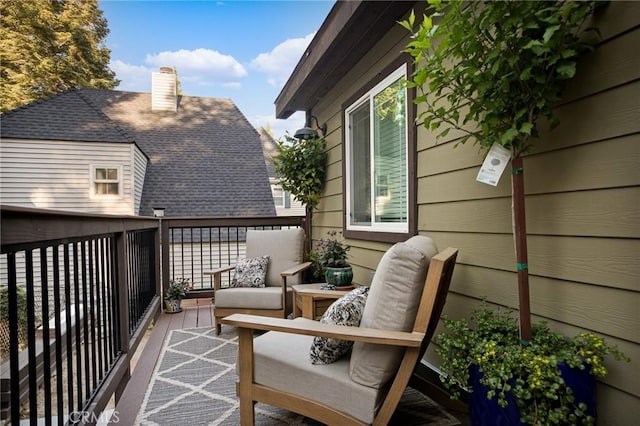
(499, 65)
(300, 165)
(49, 46)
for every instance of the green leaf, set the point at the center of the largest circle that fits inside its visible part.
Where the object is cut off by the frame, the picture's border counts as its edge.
(508, 136)
(526, 128)
(566, 70)
(549, 32)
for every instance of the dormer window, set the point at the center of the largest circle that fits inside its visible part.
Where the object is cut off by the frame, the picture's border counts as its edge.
(106, 181)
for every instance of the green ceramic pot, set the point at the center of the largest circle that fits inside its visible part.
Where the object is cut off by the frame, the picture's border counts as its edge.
(339, 277)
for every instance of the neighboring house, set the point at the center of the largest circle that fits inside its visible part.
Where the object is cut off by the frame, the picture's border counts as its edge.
(107, 151)
(285, 203)
(582, 182)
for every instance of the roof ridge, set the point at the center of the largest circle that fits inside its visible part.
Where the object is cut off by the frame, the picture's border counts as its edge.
(115, 125)
(32, 104)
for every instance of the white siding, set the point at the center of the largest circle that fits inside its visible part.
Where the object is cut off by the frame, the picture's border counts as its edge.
(56, 175)
(139, 170)
(192, 260)
(296, 208)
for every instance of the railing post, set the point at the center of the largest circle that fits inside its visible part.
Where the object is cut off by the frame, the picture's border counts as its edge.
(164, 234)
(158, 268)
(123, 307)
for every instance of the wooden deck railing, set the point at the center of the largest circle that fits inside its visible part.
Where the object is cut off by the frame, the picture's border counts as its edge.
(78, 292)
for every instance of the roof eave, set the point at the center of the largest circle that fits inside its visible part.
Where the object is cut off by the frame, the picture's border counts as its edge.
(348, 32)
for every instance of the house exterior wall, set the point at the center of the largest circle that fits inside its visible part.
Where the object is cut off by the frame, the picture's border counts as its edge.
(57, 175)
(583, 202)
(139, 169)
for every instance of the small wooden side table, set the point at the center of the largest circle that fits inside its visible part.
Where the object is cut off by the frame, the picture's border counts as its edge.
(309, 301)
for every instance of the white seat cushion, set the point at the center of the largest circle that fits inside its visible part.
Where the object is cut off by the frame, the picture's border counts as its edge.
(281, 361)
(392, 304)
(252, 298)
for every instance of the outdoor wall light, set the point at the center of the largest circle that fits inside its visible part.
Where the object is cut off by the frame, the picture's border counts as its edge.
(307, 132)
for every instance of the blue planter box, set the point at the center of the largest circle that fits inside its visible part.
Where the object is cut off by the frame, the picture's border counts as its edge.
(485, 412)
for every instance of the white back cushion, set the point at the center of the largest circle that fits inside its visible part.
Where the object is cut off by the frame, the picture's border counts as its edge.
(392, 304)
(284, 248)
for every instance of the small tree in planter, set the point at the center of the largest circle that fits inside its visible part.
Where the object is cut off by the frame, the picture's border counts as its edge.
(491, 70)
(301, 165)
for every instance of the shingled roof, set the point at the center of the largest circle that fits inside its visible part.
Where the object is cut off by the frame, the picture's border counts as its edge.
(204, 160)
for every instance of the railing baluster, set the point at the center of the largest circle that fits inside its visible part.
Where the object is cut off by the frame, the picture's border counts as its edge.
(68, 333)
(31, 340)
(92, 312)
(102, 330)
(46, 341)
(113, 284)
(85, 317)
(78, 324)
(12, 292)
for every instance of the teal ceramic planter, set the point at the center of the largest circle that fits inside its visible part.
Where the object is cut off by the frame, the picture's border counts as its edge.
(339, 277)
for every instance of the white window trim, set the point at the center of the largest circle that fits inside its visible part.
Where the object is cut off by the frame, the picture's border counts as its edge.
(401, 72)
(92, 180)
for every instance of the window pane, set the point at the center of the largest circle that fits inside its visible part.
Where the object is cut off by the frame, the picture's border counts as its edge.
(278, 196)
(360, 137)
(390, 155)
(101, 174)
(112, 174)
(112, 188)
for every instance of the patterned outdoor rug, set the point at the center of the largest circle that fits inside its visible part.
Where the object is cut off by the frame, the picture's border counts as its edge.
(194, 384)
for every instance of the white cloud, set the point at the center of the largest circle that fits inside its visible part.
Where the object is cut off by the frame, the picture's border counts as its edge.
(233, 85)
(200, 66)
(135, 78)
(279, 127)
(280, 62)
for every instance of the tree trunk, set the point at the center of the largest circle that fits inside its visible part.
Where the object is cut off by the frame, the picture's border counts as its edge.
(520, 239)
(307, 228)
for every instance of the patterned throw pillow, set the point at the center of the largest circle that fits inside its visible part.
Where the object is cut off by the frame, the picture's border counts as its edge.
(250, 272)
(345, 311)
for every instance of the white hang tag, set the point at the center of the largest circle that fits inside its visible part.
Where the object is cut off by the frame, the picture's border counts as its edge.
(494, 165)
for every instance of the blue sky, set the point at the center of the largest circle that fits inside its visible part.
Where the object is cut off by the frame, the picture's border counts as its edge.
(243, 50)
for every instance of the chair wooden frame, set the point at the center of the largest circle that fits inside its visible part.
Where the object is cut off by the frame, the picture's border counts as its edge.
(220, 313)
(415, 344)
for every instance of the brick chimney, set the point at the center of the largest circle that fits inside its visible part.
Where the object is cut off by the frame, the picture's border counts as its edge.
(163, 90)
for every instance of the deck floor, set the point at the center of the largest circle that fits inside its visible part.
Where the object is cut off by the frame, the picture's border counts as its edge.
(195, 313)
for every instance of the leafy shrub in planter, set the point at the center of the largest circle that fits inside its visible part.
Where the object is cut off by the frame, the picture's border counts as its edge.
(530, 374)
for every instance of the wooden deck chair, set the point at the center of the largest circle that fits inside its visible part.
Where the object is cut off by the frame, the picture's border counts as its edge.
(398, 321)
(285, 248)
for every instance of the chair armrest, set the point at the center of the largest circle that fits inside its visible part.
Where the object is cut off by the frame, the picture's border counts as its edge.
(220, 270)
(217, 275)
(295, 269)
(315, 328)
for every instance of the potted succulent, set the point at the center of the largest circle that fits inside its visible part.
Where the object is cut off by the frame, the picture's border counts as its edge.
(177, 290)
(551, 380)
(330, 258)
